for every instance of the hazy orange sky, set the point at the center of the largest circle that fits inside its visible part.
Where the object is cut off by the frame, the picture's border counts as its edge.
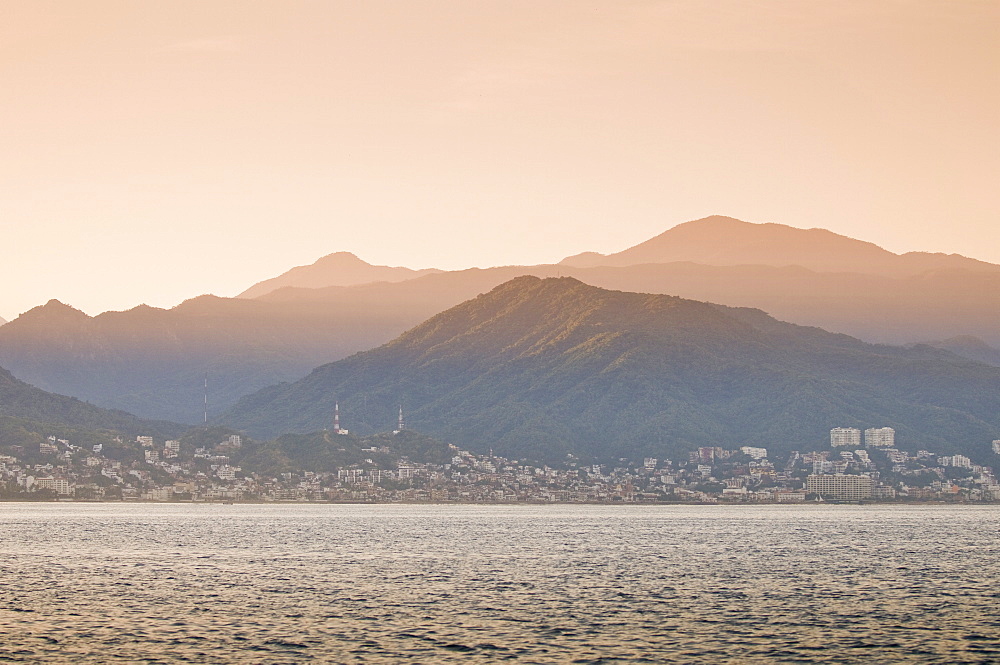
(154, 151)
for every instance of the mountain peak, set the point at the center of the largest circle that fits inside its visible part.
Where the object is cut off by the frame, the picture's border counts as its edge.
(715, 220)
(204, 301)
(531, 286)
(528, 315)
(53, 310)
(726, 241)
(337, 269)
(341, 257)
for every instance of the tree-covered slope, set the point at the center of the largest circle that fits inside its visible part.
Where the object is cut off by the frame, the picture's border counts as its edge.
(19, 400)
(549, 367)
(326, 452)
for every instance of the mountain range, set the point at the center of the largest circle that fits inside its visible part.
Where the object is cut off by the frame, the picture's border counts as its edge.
(543, 368)
(153, 362)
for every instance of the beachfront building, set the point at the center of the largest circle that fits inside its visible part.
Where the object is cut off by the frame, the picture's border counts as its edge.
(840, 487)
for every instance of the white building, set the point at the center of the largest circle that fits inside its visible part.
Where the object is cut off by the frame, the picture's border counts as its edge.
(351, 475)
(171, 449)
(158, 494)
(880, 437)
(960, 461)
(822, 466)
(60, 485)
(756, 453)
(840, 487)
(226, 472)
(845, 436)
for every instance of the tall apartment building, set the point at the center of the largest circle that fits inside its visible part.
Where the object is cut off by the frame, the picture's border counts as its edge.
(845, 436)
(839, 487)
(171, 449)
(880, 437)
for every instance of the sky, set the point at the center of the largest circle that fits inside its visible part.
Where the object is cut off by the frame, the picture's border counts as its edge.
(155, 151)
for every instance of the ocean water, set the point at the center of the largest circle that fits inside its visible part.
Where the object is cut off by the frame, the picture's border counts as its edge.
(145, 583)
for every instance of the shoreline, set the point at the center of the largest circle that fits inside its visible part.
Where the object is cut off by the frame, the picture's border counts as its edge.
(919, 502)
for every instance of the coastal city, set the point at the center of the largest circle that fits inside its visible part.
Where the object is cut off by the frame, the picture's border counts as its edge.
(857, 467)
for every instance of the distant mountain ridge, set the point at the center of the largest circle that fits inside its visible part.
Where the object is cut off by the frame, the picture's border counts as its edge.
(153, 361)
(726, 241)
(338, 269)
(549, 367)
(969, 347)
(934, 305)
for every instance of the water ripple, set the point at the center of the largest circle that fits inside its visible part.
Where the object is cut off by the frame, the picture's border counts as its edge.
(100, 583)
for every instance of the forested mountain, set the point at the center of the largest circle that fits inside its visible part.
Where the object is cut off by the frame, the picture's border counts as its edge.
(338, 269)
(551, 367)
(21, 401)
(725, 241)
